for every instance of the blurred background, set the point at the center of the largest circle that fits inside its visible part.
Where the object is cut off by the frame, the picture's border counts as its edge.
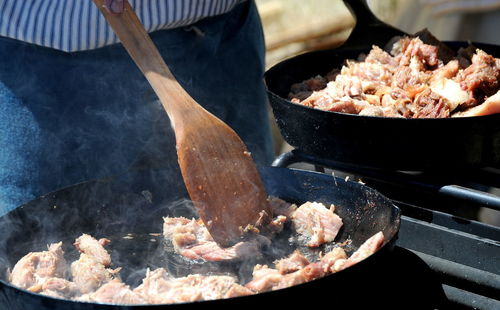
(292, 27)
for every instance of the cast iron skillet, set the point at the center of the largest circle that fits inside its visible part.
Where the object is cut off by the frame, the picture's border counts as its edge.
(133, 205)
(377, 142)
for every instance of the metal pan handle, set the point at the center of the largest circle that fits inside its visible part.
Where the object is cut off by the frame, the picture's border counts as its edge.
(369, 30)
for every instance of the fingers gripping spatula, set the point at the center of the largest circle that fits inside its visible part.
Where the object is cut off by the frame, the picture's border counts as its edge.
(218, 171)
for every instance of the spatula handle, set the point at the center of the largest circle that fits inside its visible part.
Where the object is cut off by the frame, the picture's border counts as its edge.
(143, 51)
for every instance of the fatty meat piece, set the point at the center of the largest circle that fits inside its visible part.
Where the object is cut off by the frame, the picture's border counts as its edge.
(316, 223)
(36, 267)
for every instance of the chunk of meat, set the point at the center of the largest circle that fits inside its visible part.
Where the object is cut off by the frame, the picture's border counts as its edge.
(367, 71)
(36, 267)
(429, 104)
(444, 53)
(294, 262)
(489, 106)
(316, 223)
(114, 292)
(379, 56)
(158, 287)
(481, 78)
(266, 279)
(95, 248)
(413, 49)
(451, 92)
(370, 246)
(58, 287)
(89, 274)
(192, 240)
(448, 71)
(304, 89)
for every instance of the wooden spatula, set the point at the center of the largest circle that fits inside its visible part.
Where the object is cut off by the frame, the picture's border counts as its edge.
(220, 174)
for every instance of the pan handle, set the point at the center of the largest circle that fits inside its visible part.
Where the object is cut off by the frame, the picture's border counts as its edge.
(369, 30)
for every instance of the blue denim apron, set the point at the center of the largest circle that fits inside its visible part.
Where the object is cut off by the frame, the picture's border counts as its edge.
(71, 117)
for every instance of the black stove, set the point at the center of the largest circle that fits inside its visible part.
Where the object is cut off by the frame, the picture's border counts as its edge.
(444, 257)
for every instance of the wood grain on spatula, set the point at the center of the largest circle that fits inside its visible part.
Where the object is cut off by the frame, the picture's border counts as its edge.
(219, 172)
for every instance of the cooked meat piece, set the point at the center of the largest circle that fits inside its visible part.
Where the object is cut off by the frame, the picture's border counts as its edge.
(428, 104)
(330, 259)
(379, 56)
(422, 55)
(114, 292)
(308, 273)
(409, 80)
(88, 274)
(192, 240)
(370, 246)
(304, 89)
(154, 286)
(92, 247)
(217, 287)
(447, 71)
(365, 71)
(451, 92)
(444, 52)
(58, 287)
(264, 279)
(317, 224)
(372, 111)
(37, 267)
(481, 78)
(490, 106)
(294, 262)
(158, 287)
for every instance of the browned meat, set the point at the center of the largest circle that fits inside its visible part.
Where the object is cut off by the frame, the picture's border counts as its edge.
(88, 274)
(158, 287)
(37, 267)
(113, 292)
(368, 86)
(370, 246)
(316, 224)
(192, 240)
(304, 89)
(414, 50)
(294, 262)
(447, 71)
(95, 248)
(265, 278)
(444, 52)
(428, 104)
(379, 56)
(410, 80)
(366, 71)
(481, 78)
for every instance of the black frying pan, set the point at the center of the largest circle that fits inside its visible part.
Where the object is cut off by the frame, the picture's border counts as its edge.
(135, 203)
(377, 142)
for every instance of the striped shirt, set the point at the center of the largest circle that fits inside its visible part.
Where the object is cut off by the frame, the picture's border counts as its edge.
(75, 25)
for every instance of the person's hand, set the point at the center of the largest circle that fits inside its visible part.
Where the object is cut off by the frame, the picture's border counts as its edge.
(114, 6)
